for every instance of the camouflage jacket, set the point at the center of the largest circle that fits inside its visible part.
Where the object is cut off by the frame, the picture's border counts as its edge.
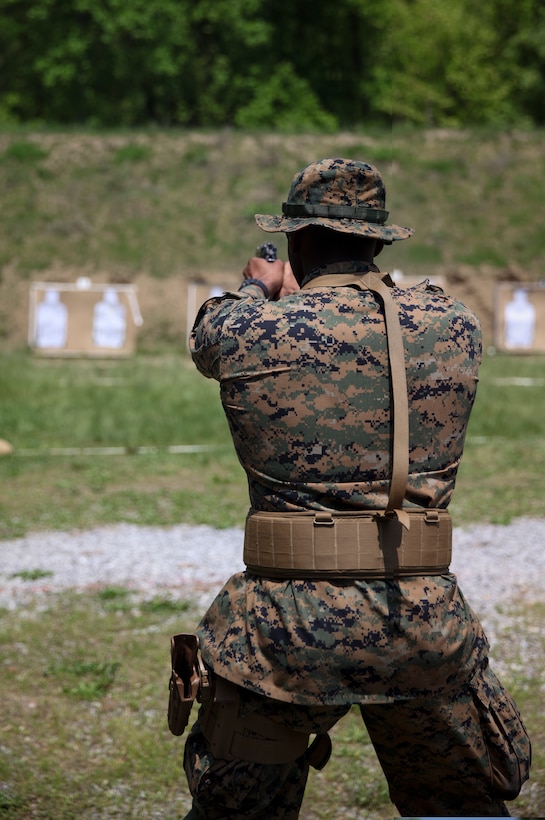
(305, 386)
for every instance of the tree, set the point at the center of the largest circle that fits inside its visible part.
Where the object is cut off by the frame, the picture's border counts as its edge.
(439, 67)
(520, 52)
(281, 64)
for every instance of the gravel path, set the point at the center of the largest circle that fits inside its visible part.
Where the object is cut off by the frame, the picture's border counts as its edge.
(494, 564)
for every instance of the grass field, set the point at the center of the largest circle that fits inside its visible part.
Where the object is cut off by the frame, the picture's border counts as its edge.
(53, 411)
(84, 676)
(84, 734)
(183, 201)
(157, 208)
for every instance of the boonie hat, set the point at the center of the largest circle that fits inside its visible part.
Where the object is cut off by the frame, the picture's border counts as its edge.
(341, 194)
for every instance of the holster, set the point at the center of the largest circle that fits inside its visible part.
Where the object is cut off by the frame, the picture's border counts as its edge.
(230, 734)
(189, 680)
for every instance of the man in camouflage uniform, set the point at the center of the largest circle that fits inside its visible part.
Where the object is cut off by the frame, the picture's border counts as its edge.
(348, 401)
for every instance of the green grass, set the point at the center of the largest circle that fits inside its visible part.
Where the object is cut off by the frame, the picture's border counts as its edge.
(23, 152)
(177, 202)
(145, 401)
(84, 732)
(503, 468)
(84, 677)
(149, 403)
(146, 405)
(519, 654)
(32, 574)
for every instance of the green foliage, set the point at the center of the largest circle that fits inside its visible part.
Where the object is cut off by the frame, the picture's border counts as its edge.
(285, 65)
(519, 57)
(115, 599)
(286, 100)
(83, 404)
(440, 67)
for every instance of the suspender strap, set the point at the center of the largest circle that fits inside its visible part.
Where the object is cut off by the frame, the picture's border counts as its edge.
(381, 286)
(400, 401)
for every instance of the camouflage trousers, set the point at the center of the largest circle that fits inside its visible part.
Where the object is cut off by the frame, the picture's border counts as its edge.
(463, 755)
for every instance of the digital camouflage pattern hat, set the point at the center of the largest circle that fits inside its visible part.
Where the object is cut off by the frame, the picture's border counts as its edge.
(342, 194)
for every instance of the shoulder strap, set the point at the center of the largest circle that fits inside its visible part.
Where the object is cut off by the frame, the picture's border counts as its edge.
(400, 400)
(381, 285)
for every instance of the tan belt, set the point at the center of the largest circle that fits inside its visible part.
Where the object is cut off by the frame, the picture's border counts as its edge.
(364, 544)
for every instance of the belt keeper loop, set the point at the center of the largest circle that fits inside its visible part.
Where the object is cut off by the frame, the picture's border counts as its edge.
(324, 519)
(431, 517)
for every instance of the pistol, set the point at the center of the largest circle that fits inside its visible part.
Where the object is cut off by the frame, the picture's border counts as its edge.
(267, 251)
